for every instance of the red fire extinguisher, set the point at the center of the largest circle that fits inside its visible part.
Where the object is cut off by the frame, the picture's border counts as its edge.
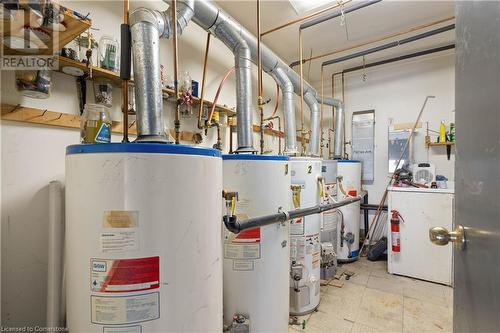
(395, 235)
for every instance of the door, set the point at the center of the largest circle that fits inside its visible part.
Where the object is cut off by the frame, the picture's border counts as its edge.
(477, 265)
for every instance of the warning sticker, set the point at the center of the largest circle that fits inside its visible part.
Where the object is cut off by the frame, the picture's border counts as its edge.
(120, 240)
(330, 220)
(297, 226)
(241, 250)
(122, 329)
(243, 265)
(124, 275)
(297, 248)
(121, 310)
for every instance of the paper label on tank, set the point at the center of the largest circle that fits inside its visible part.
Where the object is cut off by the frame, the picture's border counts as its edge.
(298, 248)
(122, 329)
(330, 220)
(297, 226)
(241, 250)
(122, 310)
(114, 240)
(124, 275)
(243, 265)
(120, 231)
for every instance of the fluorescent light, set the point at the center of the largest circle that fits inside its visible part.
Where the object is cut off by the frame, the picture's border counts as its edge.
(302, 6)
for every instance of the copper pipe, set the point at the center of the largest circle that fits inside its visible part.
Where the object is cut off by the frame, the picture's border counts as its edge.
(202, 94)
(279, 130)
(177, 122)
(376, 40)
(125, 82)
(214, 103)
(230, 123)
(303, 18)
(302, 138)
(259, 83)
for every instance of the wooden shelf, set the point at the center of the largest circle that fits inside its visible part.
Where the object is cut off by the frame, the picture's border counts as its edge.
(114, 78)
(51, 118)
(37, 116)
(74, 24)
(439, 144)
(429, 143)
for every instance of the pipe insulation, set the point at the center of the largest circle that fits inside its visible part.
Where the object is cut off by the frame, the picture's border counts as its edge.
(235, 226)
(55, 310)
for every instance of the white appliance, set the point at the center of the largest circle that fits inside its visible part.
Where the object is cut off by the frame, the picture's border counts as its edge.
(305, 245)
(349, 174)
(421, 210)
(424, 173)
(257, 261)
(143, 238)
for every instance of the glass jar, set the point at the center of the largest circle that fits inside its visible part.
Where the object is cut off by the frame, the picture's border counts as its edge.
(34, 84)
(109, 53)
(95, 124)
(103, 92)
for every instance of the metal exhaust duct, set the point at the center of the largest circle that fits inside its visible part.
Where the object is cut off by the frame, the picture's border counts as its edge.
(208, 16)
(288, 101)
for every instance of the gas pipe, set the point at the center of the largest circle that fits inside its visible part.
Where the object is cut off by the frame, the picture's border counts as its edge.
(395, 235)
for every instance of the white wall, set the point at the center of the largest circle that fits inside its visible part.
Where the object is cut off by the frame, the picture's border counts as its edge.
(34, 155)
(396, 92)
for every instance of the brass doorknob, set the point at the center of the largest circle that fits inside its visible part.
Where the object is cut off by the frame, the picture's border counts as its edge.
(441, 236)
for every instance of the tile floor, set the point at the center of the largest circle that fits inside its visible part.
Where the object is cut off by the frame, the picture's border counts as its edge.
(375, 301)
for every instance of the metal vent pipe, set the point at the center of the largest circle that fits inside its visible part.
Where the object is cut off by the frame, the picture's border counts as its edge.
(207, 15)
(148, 26)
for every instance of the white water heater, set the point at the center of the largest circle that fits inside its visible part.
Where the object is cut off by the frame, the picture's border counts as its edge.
(256, 261)
(331, 218)
(143, 238)
(305, 246)
(349, 175)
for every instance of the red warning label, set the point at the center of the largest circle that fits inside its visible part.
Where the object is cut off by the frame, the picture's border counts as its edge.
(248, 236)
(124, 275)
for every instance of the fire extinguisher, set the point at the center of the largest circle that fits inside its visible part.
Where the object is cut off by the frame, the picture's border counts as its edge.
(395, 234)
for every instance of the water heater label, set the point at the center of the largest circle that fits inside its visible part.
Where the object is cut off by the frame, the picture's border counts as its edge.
(297, 226)
(245, 245)
(120, 231)
(124, 275)
(330, 220)
(122, 310)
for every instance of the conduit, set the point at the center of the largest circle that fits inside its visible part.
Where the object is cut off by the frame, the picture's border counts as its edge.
(390, 45)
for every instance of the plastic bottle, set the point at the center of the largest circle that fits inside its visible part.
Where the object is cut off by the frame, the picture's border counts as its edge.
(95, 124)
(452, 132)
(442, 132)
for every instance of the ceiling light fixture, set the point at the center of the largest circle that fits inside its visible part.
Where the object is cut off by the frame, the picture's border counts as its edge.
(303, 6)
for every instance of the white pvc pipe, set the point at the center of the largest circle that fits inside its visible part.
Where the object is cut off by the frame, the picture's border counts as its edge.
(55, 256)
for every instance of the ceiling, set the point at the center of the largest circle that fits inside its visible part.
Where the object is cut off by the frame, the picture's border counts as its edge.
(369, 23)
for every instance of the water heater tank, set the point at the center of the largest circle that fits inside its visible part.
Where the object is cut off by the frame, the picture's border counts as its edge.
(349, 171)
(305, 246)
(143, 238)
(256, 261)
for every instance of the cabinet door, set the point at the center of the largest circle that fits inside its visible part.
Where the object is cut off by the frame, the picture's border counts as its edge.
(419, 258)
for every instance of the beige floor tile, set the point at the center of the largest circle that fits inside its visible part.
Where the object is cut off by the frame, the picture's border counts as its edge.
(388, 284)
(420, 316)
(342, 302)
(360, 278)
(381, 310)
(426, 291)
(323, 322)
(448, 295)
